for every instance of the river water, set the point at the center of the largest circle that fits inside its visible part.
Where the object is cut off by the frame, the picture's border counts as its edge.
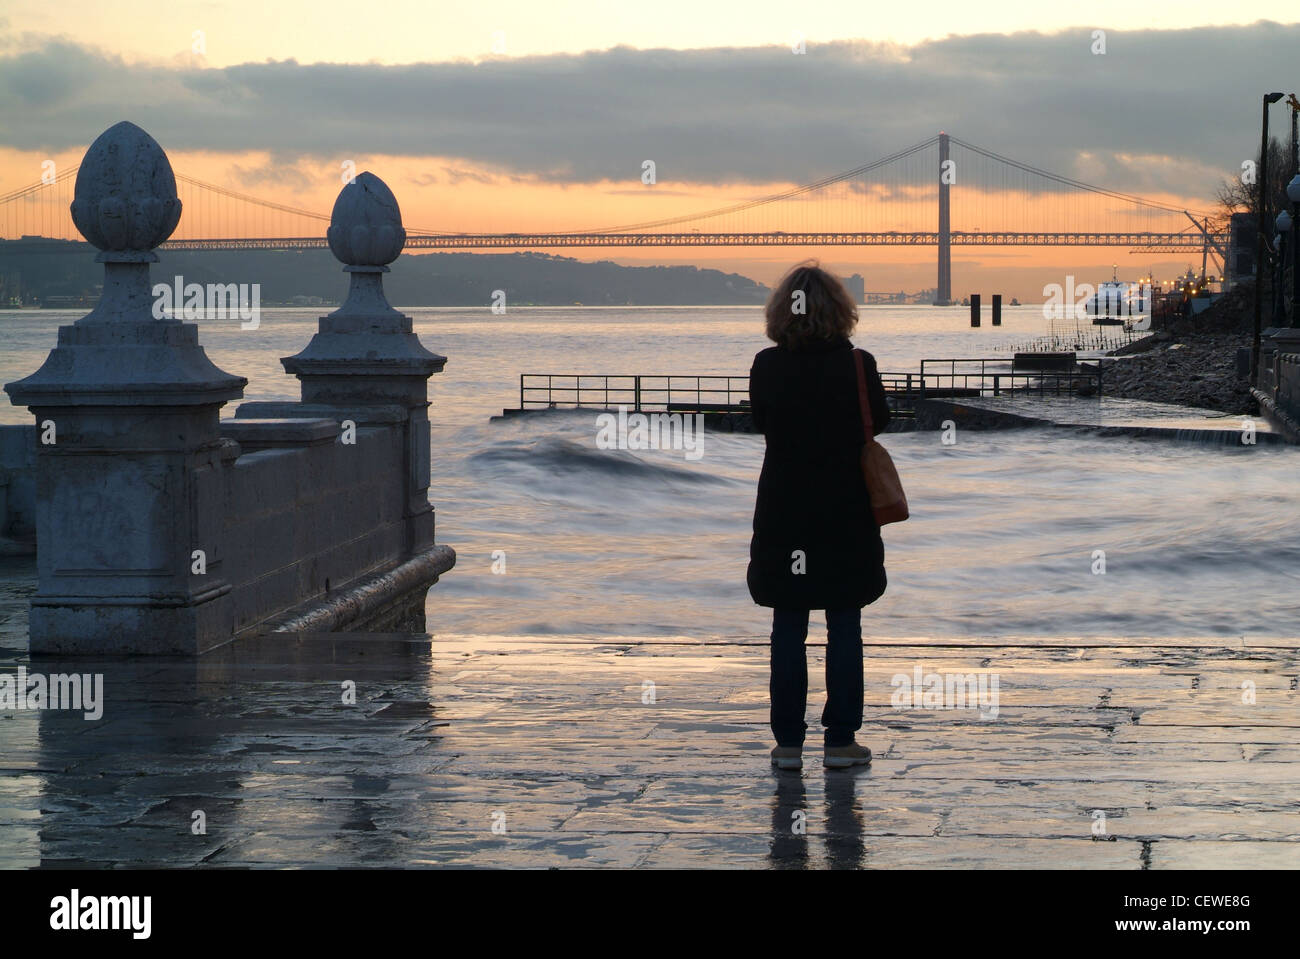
(1198, 540)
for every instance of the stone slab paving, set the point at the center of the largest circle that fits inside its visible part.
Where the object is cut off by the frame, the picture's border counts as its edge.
(558, 752)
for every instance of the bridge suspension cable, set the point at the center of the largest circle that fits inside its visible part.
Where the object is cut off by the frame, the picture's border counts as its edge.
(773, 198)
(888, 201)
(31, 188)
(245, 198)
(1067, 181)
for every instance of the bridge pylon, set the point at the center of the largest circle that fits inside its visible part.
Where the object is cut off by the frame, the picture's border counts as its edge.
(943, 290)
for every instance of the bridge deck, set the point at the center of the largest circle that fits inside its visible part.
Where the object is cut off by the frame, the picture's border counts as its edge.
(511, 241)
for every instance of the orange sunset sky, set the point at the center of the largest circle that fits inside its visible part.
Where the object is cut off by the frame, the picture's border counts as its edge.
(503, 117)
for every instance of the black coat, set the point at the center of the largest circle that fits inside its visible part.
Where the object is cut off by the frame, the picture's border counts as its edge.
(811, 496)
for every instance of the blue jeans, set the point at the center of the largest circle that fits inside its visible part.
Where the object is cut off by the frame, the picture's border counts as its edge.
(842, 716)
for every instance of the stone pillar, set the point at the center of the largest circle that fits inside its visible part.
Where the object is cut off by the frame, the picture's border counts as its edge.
(1279, 351)
(126, 410)
(365, 354)
(943, 290)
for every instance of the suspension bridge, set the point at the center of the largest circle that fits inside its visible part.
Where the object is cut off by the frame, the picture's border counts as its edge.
(941, 192)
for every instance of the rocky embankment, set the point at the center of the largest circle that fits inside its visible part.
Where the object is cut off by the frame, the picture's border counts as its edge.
(1190, 362)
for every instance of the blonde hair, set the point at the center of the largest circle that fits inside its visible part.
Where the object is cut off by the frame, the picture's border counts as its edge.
(825, 310)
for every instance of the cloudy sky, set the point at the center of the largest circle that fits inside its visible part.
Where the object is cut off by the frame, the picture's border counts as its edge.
(512, 116)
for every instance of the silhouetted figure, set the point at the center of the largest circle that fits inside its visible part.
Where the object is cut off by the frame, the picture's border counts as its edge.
(816, 544)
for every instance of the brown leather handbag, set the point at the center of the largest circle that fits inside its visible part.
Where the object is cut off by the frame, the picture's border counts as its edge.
(888, 501)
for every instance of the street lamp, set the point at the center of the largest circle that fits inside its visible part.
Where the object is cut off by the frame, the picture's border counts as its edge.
(1261, 213)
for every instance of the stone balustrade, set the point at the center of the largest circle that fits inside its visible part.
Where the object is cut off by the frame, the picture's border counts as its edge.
(1278, 383)
(162, 529)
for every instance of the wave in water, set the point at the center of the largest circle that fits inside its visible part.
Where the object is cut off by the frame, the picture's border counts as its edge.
(556, 456)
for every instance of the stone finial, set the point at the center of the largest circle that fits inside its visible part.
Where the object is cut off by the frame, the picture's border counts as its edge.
(125, 199)
(366, 352)
(119, 354)
(366, 224)
(366, 234)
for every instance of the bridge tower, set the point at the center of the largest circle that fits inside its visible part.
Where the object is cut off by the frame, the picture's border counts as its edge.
(943, 291)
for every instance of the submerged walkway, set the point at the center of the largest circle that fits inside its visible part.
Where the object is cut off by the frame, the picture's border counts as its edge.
(554, 751)
(1107, 415)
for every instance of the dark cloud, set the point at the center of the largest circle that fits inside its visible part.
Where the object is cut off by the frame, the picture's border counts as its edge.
(455, 176)
(1160, 110)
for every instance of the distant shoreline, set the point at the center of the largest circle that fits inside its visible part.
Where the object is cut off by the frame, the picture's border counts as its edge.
(445, 307)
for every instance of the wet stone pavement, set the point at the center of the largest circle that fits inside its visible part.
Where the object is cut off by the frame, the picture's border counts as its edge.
(558, 752)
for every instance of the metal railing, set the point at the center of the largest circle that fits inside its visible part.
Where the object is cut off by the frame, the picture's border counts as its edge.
(984, 377)
(668, 392)
(710, 393)
(901, 384)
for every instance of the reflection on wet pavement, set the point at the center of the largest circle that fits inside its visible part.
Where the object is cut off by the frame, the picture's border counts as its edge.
(559, 751)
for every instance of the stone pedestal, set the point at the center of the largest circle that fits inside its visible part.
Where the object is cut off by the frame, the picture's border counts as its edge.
(366, 353)
(126, 411)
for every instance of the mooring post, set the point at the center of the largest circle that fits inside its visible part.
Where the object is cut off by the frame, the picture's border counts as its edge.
(974, 309)
(997, 309)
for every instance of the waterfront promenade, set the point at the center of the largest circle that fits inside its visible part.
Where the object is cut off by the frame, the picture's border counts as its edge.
(558, 752)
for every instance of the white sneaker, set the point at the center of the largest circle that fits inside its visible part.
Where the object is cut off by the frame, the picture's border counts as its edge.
(787, 757)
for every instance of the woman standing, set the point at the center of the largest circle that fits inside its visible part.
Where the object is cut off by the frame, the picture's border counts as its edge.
(816, 544)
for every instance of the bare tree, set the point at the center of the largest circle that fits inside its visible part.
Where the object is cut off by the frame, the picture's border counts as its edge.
(1236, 196)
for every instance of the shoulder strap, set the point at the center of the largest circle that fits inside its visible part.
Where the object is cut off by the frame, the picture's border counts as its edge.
(863, 403)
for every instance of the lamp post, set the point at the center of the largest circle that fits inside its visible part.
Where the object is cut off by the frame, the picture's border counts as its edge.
(1261, 213)
(1293, 194)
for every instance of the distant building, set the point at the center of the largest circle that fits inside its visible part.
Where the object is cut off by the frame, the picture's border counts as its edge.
(1240, 263)
(857, 287)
